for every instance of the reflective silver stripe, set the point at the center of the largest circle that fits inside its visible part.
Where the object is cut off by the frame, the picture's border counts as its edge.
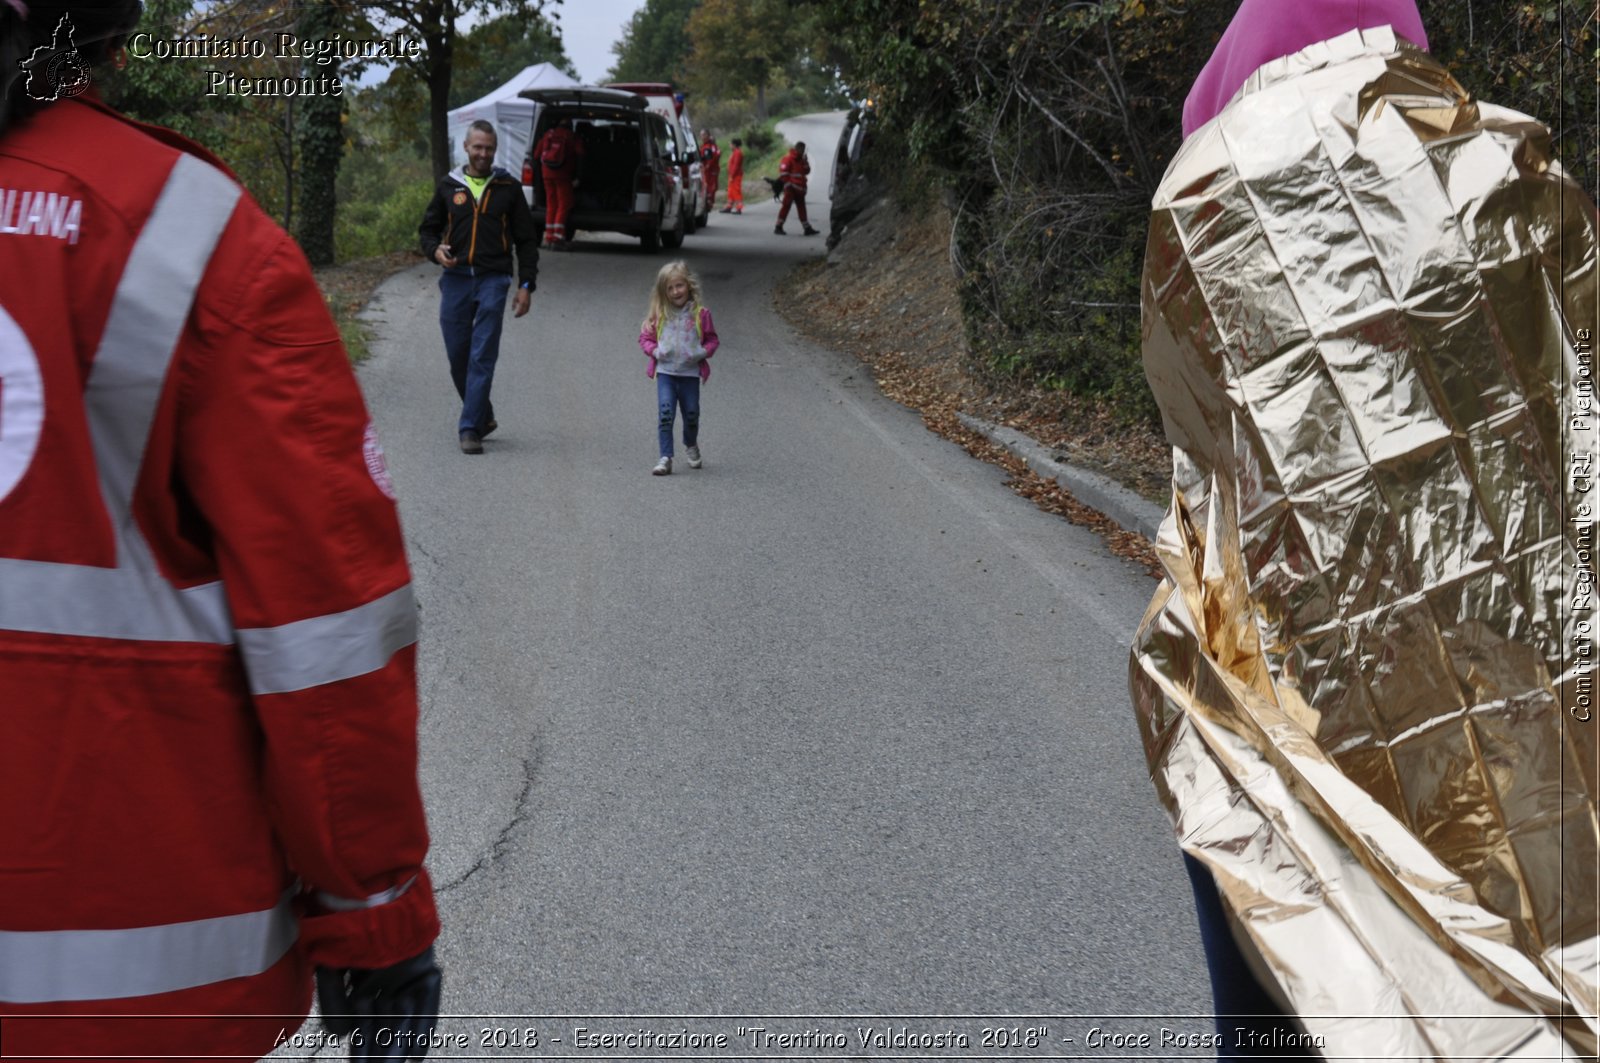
(113, 603)
(148, 311)
(147, 315)
(343, 904)
(326, 649)
(46, 966)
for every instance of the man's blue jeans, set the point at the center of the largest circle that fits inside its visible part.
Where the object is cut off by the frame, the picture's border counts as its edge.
(671, 393)
(472, 311)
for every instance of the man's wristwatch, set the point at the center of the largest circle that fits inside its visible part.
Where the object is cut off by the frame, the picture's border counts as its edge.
(527, 286)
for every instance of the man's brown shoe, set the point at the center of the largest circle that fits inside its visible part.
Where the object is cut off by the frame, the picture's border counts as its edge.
(471, 443)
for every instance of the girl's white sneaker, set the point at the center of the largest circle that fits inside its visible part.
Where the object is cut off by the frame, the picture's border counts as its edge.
(693, 454)
(663, 468)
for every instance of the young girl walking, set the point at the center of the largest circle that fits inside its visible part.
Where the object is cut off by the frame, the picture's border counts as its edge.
(678, 340)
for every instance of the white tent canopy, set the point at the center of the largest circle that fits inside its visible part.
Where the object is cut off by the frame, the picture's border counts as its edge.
(512, 116)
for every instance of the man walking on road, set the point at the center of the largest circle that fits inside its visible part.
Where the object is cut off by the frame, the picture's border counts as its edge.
(735, 179)
(792, 171)
(477, 215)
(208, 747)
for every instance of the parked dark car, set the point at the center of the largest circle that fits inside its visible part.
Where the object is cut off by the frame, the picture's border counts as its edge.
(628, 179)
(849, 189)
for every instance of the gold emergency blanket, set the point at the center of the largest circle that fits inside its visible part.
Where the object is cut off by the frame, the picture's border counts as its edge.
(1366, 685)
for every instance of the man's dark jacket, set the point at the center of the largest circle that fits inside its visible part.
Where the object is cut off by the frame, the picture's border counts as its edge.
(482, 232)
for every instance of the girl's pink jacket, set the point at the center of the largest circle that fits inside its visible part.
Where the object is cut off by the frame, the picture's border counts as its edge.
(1264, 30)
(708, 337)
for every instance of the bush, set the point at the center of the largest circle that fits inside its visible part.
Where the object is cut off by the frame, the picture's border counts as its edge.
(1047, 127)
(722, 117)
(758, 137)
(1076, 328)
(369, 227)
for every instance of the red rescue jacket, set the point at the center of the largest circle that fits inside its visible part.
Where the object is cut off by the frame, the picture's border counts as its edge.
(793, 168)
(207, 664)
(558, 151)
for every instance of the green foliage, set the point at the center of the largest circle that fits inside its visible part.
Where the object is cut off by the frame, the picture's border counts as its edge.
(722, 117)
(397, 116)
(166, 93)
(379, 225)
(655, 45)
(1537, 57)
(763, 147)
(493, 51)
(321, 144)
(254, 136)
(1077, 339)
(384, 184)
(1048, 126)
(759, 138)
(352, 332)
(805, 87)
(741, 46)
(902, 53)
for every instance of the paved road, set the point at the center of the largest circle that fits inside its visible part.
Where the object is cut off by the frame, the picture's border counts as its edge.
(836, 724)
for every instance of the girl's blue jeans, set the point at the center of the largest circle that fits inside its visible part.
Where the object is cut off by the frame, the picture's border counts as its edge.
(673, 392)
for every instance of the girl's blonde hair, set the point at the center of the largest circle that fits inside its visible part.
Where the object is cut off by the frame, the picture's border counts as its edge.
(659, 305)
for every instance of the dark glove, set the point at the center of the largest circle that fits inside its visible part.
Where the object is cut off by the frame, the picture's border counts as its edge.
(387, 1013)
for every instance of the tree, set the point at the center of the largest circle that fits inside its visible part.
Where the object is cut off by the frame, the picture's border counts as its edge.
(740, 44)
(321, 141)
(164, 93)
(433, 23)
(254, 136)
(655, 44)
(285, 147)
(492, 51)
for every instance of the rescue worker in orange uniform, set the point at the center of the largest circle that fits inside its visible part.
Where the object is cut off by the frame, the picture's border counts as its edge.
(208, 740)
(710, 166)
(735, 179)
(559, 152)
(792, 171)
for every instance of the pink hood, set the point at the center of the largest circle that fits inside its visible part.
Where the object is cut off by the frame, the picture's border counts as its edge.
(1264, 30)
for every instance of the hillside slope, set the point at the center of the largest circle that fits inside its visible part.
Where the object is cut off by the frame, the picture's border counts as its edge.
(887, 294)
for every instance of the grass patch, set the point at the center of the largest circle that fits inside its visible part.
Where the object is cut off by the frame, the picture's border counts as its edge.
(353, 332)
(376, 226)
(348, 288)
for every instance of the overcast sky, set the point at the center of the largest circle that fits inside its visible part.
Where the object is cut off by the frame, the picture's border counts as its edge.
(589, 28)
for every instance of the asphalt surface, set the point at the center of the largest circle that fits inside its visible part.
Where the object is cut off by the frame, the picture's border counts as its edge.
(836, 724)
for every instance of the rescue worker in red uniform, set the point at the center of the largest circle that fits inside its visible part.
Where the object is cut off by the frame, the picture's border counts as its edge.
(558, 152)
(710, 166)
(735, 179)
(208, 708)
(792, 171)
